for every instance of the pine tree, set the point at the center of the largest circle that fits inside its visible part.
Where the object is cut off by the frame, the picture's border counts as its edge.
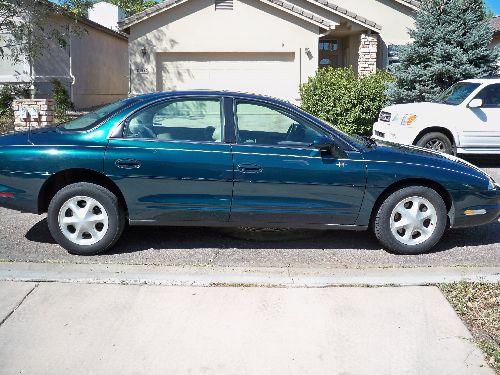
(450, 43)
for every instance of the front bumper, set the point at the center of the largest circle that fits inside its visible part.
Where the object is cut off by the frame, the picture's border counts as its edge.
(391, 132)
(476, 209)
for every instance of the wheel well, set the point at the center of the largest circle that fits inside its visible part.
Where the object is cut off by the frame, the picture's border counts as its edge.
(438, 129)
(411, 182)
(70, 176)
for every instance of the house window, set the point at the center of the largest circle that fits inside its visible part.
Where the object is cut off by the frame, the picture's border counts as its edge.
(328, 45)
(329, 53)
(223, 4)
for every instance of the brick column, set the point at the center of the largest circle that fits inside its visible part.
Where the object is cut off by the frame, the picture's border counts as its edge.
(45, 113)
(367, 57)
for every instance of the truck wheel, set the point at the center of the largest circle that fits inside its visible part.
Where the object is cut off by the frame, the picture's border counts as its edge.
(411, 220)
(436, 141)
(85, 218)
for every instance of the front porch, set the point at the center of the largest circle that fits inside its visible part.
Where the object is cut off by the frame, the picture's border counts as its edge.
(345, 47)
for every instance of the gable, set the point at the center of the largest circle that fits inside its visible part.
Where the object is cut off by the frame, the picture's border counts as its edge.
(286, 6)
(168, 5)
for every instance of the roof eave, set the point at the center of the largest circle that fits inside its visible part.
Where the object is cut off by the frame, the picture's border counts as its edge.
(344, 13)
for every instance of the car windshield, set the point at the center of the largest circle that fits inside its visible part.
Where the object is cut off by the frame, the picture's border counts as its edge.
(91, 119)
(457, 93)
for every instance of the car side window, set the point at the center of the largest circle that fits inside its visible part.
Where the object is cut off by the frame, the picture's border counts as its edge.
(197, 120)
(490, 96)
(262, 125)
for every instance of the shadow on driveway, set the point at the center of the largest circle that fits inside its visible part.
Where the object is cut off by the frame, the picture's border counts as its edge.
(138, 238)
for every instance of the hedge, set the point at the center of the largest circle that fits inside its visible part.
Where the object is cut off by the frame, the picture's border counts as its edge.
(348, 102)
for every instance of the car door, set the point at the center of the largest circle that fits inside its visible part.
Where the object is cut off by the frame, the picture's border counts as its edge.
(280, 179)
(481, 126)
(171, 163)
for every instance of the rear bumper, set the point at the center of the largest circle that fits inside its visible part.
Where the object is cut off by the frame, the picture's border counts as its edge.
(476, 209)
(19, 191)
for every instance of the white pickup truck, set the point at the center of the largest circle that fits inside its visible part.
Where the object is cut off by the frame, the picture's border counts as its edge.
(465, 119)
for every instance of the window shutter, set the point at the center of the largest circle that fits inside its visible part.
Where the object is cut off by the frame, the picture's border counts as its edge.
(223, 4)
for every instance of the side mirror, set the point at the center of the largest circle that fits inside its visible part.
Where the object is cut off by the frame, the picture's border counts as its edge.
(476, 103)
(327, 146)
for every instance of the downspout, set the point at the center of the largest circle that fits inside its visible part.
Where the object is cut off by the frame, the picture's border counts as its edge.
(73, 78)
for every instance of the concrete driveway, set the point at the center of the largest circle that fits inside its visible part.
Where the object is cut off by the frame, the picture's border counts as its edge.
(56, 328)
(25, 237)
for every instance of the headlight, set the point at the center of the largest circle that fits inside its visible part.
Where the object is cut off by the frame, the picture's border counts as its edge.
(408, 119)
(492, 184)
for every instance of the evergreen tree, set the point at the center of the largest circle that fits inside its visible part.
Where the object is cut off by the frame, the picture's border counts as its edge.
(450, 43)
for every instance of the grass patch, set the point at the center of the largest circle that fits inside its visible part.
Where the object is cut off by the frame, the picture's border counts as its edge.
(479, 307)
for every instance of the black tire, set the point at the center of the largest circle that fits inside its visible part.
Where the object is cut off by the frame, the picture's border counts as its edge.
(382, 222)
(115, 215)
(436, 141)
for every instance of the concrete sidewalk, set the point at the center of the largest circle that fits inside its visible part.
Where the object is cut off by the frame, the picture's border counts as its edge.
(72, 328)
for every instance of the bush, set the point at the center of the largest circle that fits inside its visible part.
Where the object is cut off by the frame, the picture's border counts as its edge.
(62, 99)
(345, 100)
(10, 92)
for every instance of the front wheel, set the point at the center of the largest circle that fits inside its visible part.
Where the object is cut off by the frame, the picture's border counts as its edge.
(85, 218)
(411, 220)
(436, 141)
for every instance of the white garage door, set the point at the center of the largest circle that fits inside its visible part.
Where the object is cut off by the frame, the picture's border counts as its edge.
(275, 74)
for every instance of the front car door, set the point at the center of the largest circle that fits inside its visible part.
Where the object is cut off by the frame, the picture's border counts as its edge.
(487, 125)
(280, 179)
(480, 127)
(171, 163)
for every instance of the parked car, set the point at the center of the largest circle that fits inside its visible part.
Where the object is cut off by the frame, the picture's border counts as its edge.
(465, 119)
(230, 159)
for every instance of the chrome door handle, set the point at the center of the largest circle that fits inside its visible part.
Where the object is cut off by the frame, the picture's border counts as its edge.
(249, 168)
(128, 163)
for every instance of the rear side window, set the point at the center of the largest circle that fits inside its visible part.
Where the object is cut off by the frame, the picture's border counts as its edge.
(197, 120)
(262, 125)
(490, 96)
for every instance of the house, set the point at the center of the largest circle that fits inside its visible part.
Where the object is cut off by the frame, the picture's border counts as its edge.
(94, 66)
(106, 14)
(263, 46)
(496, 33)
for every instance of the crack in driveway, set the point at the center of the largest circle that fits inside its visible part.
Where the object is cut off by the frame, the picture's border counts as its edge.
(18, 305)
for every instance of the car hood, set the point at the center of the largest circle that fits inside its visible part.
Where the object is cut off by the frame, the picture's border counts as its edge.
(412, 154)
(414, 108)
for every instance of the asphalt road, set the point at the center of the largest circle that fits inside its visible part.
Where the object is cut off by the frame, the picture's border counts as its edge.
(25, 237)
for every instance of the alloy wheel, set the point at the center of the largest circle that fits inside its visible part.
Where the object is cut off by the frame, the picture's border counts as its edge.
(413, 220)
(436, 145)
(83, 220)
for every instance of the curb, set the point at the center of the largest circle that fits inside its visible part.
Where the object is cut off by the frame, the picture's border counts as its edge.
(230, 276)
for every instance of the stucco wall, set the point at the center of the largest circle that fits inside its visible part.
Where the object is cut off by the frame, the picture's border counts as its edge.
(99, 65)
(195, 26)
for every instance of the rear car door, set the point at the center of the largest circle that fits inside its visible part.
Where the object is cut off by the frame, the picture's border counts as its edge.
(171, 163)
(480, 127)
(280, 179)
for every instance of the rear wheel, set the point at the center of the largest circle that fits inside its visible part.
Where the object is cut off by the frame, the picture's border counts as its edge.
(436, 141)
(411, 220)
(85, 218)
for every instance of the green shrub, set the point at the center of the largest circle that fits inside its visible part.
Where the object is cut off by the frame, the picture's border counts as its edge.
(10, 92)
(349, 102)
(62, 98)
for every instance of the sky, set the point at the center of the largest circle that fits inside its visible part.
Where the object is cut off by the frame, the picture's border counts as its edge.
(494, 5)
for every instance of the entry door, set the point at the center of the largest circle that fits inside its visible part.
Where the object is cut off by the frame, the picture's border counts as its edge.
(482, 130)
(279, 179)
(171, 164)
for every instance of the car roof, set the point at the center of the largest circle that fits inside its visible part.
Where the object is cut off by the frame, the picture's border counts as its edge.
(243, 95)
(488, 80)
